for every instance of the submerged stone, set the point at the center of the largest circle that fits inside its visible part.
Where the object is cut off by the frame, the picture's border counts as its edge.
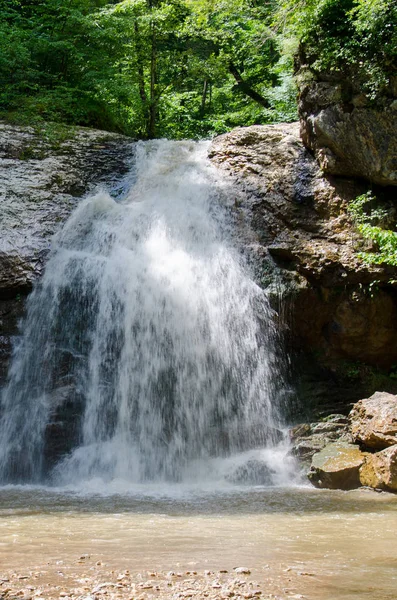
(253, 472)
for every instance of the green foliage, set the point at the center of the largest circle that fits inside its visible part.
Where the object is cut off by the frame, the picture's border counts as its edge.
(369, 377)
(368, 217)
(48, 57)
(358, 36)
(182, 68)
(175, 68)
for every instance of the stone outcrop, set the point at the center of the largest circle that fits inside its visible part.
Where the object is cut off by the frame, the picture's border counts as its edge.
(299, 226)
(374, 421)
(349, 140)
(308, 439)
(41, 181)
(339, 463)
(350, 134)
(337, 466)
(379, 470)
(40, 184)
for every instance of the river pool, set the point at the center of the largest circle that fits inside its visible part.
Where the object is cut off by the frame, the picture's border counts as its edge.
(297, 542)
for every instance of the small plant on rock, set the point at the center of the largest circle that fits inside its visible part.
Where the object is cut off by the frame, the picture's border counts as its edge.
(369, 218)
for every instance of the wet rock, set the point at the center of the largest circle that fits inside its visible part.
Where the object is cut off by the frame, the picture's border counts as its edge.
(299, 232)
(253, 472)
(374, 421)
(337, 466)
(379, 470)
(40, 184)
(11, 312)
(306, 448)
(40, 188)
(299, 431)
(308, 439)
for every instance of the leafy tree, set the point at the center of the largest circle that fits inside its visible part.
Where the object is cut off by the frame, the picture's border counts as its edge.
(176, 68)
(356, 37)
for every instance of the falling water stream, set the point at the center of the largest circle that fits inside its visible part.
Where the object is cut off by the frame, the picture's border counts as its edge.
(141, 420)
(148, 337)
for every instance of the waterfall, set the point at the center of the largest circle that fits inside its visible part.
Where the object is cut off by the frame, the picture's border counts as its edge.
(148, 350)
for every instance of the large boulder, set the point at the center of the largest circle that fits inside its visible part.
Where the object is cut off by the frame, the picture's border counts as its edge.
(337, 466)
(356, 142)
(379, 470)
(350, 133)
(374, 421)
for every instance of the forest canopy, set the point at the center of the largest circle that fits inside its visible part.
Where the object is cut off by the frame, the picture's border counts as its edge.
(180, 68)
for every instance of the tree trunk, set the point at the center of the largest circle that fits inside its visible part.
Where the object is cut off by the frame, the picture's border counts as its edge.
(204, 98)
(153, 100)
(153, 88)
(246, 88)
(140, 68)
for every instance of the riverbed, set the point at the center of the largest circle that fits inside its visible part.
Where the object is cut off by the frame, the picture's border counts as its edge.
(179, 542)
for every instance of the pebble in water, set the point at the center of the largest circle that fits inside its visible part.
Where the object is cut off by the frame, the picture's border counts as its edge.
(242, 570)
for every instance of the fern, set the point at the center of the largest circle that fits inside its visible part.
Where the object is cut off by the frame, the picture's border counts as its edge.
(367, 219)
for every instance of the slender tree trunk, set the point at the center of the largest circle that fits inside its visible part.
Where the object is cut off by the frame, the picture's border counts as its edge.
(153, 88)
(246, 88)
(140, 68)
(153, 100)
(204, 98)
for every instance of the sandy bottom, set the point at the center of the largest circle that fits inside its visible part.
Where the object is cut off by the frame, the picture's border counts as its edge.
(282, 544)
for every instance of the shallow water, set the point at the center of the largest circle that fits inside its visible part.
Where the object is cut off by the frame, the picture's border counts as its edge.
(322, 544)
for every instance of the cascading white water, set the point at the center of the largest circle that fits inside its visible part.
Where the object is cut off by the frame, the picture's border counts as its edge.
(148, 350)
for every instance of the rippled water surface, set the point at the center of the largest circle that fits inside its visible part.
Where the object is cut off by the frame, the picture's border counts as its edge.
(321, 544)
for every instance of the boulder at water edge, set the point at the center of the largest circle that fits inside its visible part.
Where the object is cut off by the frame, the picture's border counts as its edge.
(337, 467)
(374, 421)
(307, 439)
(379, 470)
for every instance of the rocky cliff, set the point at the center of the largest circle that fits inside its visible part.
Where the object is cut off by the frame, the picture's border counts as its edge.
(42, 177)
(350, 132)
(339, 327)
(338, 323)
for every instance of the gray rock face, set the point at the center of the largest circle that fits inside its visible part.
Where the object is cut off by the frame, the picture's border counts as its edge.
(360, 143)
(374, 421)
(39, 187)
(40, 184)
(348, 135)
(298, 220)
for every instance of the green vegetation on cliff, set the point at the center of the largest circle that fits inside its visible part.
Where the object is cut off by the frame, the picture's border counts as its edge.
(357, 38)
(372, 221)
